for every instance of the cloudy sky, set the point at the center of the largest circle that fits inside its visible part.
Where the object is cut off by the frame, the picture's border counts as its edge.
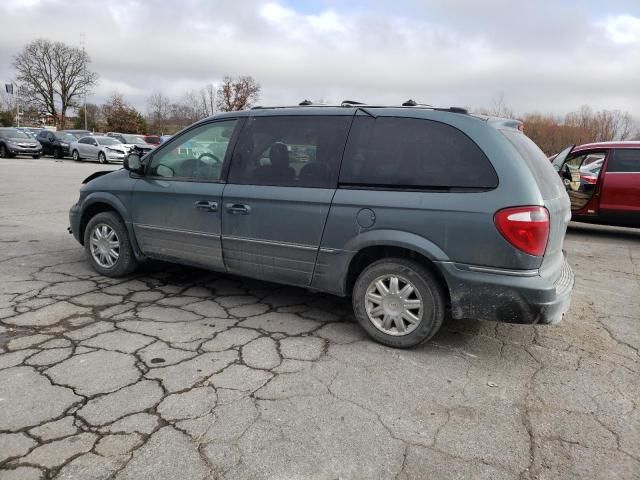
(543, 55)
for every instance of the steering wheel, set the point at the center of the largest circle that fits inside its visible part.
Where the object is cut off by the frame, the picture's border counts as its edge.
(211, 155)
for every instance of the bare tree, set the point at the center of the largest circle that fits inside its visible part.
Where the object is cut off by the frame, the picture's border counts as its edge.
(53, 75)
(237, 93)
(499, 107)
(159, 110)
(208, 99)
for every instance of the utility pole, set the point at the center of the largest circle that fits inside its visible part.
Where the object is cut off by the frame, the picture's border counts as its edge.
(85, 75)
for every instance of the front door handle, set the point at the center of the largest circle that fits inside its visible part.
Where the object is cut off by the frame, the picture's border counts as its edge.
(238, 209)
(207, 206)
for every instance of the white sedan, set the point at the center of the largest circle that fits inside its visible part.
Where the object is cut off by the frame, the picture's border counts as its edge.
(103, 149)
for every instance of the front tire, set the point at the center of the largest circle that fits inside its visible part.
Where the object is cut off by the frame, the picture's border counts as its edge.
(102, 158)
(398, 302)
(35, 157)
(57, 153)
(76, 156)
(107, 245)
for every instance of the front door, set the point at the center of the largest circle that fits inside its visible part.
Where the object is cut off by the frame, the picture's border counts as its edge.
(88, 148)
(177, 204)
(580, 174)
(282, 180)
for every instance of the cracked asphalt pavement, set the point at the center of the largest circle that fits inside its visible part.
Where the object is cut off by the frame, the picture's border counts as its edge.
(181, 373)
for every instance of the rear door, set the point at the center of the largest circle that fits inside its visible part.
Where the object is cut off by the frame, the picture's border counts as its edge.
(177, 204)
(620, 195)
(282, 180)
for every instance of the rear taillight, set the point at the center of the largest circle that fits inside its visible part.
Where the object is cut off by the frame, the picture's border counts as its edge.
(590, 179)
(526, 228)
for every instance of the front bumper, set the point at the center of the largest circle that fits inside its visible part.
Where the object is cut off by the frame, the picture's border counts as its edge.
(115, 157)
(17, 150)
(510, 297)
(74, 222)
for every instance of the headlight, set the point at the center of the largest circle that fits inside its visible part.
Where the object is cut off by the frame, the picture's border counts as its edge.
(64, 144)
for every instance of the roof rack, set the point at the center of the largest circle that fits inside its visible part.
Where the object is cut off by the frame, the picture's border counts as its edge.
(353, 103)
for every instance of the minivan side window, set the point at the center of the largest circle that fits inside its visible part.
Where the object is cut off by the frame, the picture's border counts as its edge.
(290, 151)
(394, 152)
(625, 160)
(197, 155)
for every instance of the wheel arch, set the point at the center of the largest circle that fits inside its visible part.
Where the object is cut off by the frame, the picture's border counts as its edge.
(104, 202)
(372, 253)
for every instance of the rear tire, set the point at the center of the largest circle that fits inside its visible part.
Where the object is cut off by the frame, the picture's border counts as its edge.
(410, 312)
(76, 156)
(107, 245)
(35, 157)
(3, 152)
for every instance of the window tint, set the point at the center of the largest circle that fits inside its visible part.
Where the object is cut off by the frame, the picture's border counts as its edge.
(413, 153)
(85, 140)
(290, 151)
(196, 155)
(625, 160)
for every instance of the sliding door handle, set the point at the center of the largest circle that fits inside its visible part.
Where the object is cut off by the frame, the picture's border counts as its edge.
(238, 209)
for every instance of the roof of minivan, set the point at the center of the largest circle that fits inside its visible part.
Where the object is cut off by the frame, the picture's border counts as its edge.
(430, 113)
(619, 144)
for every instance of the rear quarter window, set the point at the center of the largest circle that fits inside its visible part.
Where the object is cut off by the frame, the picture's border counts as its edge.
(546, 177)
(413, 154)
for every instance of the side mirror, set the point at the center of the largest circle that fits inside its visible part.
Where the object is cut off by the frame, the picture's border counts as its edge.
(133, 164)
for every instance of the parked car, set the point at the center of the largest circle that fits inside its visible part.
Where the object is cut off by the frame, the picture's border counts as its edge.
(130, 141)
(410, 211)
(14, 142)
(103, 149)
(153, 140)
(603, 182)
(164, 138)
(55, 143)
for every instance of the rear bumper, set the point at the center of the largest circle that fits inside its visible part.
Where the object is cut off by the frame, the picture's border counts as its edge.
(506, 296)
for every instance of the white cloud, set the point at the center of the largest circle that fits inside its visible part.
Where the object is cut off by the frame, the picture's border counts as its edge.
(543, 56)
(623, 29)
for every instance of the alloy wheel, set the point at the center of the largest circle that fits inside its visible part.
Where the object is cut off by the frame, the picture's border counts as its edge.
(105, 245)
(394, 305)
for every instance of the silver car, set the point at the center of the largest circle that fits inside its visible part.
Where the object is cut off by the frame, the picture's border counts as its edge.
(103, 149)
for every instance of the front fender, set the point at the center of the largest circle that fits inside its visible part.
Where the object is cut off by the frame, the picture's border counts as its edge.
(116, 203)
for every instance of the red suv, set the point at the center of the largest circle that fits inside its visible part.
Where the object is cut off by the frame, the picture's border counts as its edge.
(603, 182)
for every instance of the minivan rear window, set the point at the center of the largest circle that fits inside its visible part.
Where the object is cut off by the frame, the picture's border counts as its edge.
(410, 153)
(546, 177)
